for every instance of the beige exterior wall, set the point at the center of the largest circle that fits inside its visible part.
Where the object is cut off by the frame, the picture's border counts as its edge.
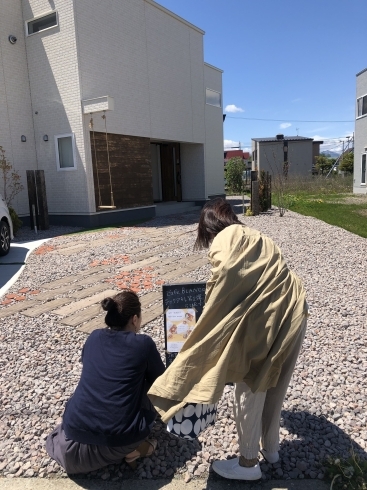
(15, 100)
(214, 168)
(360, 137)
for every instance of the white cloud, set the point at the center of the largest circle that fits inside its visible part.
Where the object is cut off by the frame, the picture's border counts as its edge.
(233, 108)
(285, 125)
(296, 100)
(234, 145)
(228, 144)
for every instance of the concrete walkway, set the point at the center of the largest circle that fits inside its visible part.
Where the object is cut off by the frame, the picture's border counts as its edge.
(176, 484)
(12, 265)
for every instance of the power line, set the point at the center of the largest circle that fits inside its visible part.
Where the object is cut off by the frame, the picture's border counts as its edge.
(285, 137)
(285, 120)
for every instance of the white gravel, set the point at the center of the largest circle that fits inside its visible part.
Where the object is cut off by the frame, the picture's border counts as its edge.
(324, 412)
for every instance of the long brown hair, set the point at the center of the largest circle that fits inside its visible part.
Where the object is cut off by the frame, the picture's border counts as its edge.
(215, 216)
(121, 308)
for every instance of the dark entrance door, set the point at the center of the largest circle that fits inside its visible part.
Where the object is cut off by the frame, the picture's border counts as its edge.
(171, 172)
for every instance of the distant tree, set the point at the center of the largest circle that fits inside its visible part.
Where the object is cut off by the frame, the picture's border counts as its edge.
(234, 173)
(347, 162)
(324, 164)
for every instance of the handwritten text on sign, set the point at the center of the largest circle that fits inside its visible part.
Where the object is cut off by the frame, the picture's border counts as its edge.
(183, 305)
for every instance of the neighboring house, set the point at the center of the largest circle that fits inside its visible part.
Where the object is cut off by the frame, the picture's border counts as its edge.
(137, 63)
(360, 135)
(294, 155)
(245, 155)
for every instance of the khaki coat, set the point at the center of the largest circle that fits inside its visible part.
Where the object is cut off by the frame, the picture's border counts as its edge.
(254, 308)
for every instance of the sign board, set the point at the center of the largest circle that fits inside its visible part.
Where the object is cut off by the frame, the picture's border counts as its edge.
(182, 305)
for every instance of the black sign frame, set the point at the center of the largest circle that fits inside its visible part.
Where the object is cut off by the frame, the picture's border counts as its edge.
(181, 295)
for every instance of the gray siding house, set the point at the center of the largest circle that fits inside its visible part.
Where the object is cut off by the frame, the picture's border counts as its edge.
(360, 136)
(294, 155)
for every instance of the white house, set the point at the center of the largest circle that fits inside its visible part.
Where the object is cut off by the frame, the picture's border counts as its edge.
(360, 135)
(67, 63)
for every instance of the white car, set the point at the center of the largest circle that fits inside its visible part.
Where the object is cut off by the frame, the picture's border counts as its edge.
(6, 228)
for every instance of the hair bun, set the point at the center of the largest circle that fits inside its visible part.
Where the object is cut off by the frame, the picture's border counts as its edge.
(108, 304)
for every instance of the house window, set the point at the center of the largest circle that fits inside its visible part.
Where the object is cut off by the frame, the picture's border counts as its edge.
(363, 170)
(213, 98)
(41, 23)
(65, 154)
(362, 106)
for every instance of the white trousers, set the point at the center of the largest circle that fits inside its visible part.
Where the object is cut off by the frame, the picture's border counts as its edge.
(257, 415)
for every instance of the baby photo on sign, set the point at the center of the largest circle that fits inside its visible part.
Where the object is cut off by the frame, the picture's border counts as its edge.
(180, 323)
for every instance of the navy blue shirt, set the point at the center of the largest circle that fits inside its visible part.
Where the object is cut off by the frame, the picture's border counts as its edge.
(110, 406)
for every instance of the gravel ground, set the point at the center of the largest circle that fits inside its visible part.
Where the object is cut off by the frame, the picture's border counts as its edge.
(324, 412)
(25, 234)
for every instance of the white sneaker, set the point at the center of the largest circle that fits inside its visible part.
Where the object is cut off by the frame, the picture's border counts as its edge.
(270, 457)
(232, 470)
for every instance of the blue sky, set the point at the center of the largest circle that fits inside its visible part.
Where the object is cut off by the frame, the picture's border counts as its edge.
(286, 59)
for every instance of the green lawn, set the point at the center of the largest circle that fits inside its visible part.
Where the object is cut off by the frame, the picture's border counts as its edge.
(345, 210)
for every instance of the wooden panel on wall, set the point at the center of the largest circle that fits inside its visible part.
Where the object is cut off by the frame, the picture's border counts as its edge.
(131, 171)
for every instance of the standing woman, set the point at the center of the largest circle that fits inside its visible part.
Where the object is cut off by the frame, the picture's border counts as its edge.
(109, 417)
(250, 334)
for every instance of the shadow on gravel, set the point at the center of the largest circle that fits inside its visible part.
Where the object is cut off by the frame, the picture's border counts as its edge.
(171, 454)
(314, 439)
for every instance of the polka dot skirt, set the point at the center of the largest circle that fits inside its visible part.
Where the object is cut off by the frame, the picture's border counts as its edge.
(192, 419)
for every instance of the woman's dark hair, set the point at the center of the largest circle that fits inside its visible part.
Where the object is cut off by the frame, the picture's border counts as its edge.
(121, 308)
(215, 216)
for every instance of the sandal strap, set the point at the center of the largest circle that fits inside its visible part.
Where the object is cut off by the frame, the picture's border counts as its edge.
(147, 447)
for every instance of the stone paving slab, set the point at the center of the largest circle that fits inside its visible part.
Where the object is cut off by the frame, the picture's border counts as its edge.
(60, 282)
(169, 264)
(83, 303)
(92, 270)
(73, 244)
(82, 316)
(83, 293)
(17, 307)
(100, 242)
(173, 266)
(88, 327)
(47, 295)
(94, 278)
(46, 307)
(163, 265)
(98, 322)
(149, 298)
(141, 263)
(71, 250)
(152, 313)
(182, 280)
(150, 246)
(162, 249)
(176, 273)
